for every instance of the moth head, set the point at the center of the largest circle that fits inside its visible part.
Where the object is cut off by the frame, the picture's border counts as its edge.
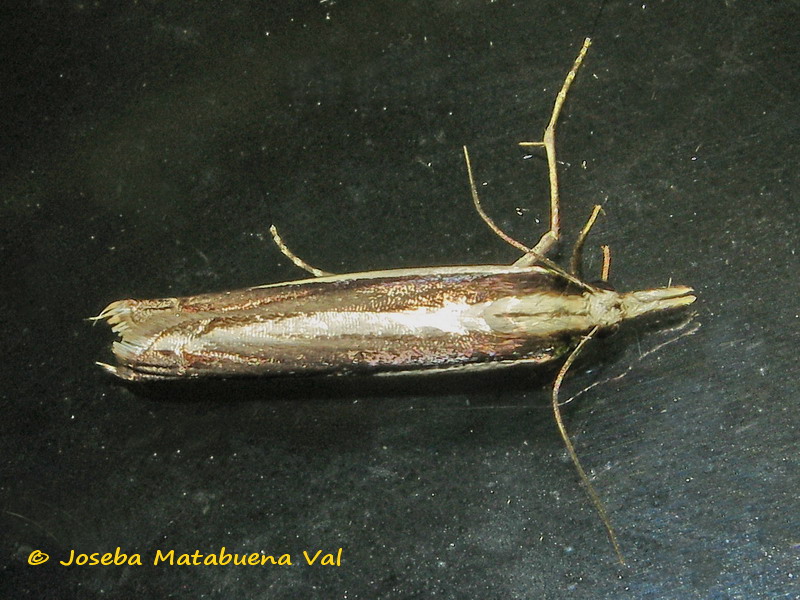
(643, 302)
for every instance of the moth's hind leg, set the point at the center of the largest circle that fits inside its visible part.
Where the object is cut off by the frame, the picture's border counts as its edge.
(292, 256)
(548, 142)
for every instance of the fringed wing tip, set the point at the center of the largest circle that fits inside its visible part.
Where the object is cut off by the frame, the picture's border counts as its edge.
(122, 372)
(108, 368)
(108, 312)
(118, 314)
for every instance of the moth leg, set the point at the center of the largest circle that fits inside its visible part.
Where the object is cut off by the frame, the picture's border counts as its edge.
(576, 262)
(605, 271)
(504, 236)
(482, 213)
(292, 256)
(549, 143)
(593, 495)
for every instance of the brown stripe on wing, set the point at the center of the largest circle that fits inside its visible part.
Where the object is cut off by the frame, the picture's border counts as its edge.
(380, 294)
(347, 354)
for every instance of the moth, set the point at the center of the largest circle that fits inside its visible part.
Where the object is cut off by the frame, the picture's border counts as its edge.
(402, 320)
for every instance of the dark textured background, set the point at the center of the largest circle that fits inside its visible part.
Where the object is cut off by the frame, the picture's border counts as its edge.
(146, 147)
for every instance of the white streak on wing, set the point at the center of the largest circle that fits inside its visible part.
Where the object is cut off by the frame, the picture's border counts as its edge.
(456, 318)
(453, 318)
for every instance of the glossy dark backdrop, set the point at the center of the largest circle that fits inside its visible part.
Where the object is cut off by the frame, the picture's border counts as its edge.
(147, 147)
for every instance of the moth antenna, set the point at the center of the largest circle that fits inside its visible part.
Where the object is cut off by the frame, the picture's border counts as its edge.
(292, 256)
(593, 495)
(682, 330)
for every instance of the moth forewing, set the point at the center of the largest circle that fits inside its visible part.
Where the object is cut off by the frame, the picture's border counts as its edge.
(409, 319)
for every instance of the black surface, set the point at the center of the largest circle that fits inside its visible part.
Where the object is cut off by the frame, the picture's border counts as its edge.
(147, 147)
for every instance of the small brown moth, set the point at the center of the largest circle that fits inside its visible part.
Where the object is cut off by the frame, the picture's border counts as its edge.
(425, 319)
